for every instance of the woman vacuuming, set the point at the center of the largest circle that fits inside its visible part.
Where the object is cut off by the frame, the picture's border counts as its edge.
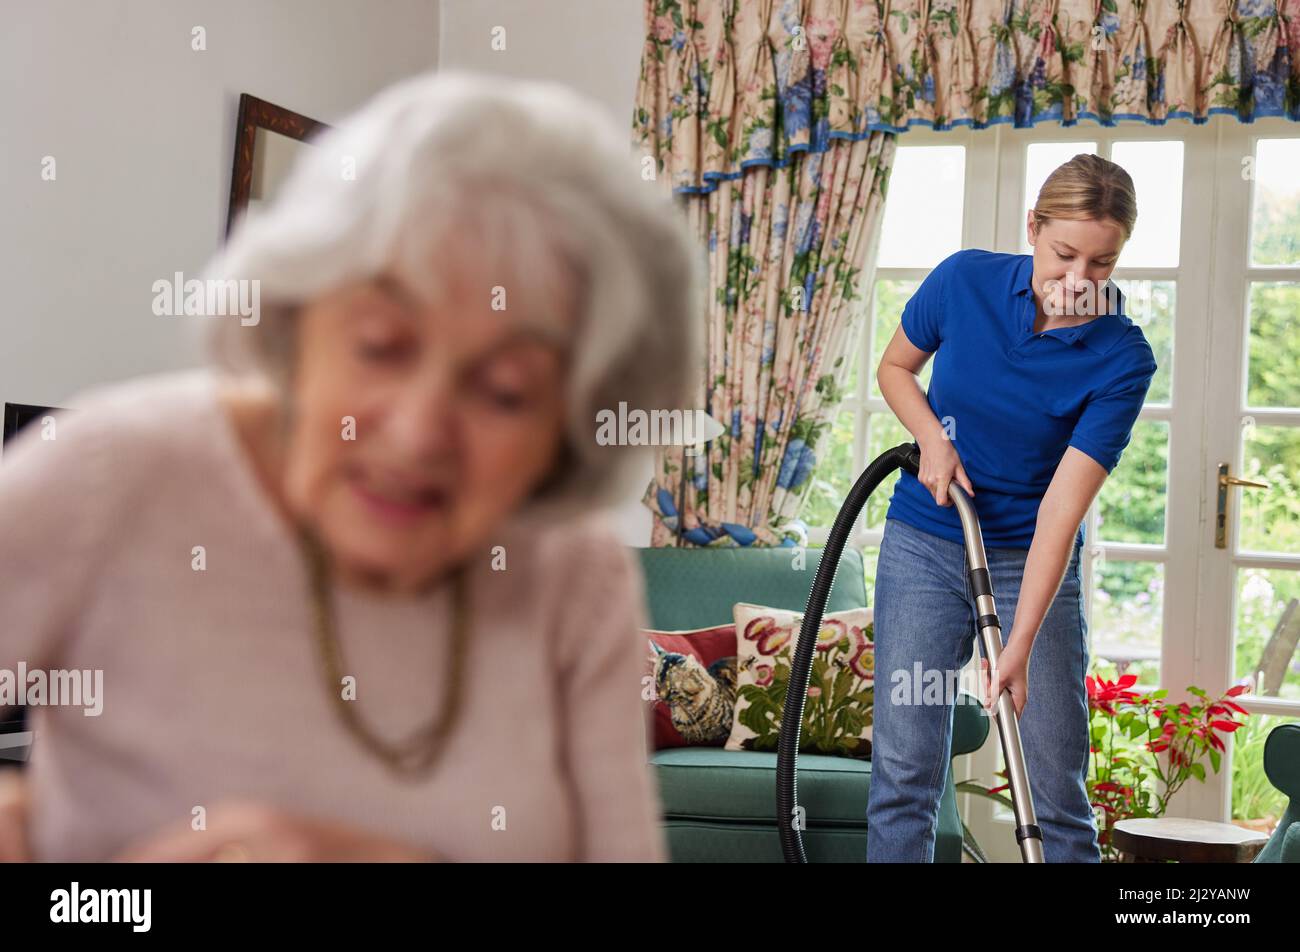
(1038, 378)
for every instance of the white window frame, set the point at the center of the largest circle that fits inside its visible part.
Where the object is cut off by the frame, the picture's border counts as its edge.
(1213, 271)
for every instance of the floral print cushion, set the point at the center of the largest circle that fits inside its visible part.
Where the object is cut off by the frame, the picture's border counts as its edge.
(841, 689)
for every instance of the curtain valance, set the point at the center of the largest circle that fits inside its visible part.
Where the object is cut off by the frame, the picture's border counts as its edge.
(726, 84)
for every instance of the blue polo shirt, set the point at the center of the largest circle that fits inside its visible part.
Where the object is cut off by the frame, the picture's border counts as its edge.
(1013, 400)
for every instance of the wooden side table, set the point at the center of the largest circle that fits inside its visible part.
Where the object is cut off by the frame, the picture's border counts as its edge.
(1185, 841)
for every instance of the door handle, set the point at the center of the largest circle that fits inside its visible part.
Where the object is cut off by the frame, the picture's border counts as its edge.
(1227, 480)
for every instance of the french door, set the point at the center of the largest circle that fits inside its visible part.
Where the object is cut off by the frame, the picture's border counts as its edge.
(1192, 568)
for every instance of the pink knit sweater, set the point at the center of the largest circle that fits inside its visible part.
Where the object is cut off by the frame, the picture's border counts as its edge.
(212, 683)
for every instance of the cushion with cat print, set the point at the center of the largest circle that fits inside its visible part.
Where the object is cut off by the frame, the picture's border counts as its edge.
(841, 687)
(692, 686)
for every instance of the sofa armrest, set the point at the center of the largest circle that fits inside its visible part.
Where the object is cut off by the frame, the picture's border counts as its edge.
(1291, 844)
(970, 725)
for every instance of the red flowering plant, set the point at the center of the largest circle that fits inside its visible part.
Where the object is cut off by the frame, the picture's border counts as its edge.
(1129, 730)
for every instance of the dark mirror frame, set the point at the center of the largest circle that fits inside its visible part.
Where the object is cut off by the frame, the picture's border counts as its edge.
(257, 114)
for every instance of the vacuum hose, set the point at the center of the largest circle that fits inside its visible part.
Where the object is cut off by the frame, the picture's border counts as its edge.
(790, 823)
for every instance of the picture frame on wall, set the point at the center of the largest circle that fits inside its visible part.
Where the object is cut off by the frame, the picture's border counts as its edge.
(268, 139)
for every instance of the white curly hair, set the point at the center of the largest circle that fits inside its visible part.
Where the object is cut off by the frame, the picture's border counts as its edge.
(547, 183)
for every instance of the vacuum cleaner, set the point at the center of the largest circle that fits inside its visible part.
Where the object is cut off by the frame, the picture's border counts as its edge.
(905, 456)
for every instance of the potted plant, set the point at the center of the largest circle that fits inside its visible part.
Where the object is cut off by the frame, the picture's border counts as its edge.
(1129, 731)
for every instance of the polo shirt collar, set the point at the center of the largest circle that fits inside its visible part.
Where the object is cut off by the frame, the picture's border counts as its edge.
(1024, 275)
(1099, 334)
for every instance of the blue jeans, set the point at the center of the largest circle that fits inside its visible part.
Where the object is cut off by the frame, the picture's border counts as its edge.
(924, 613)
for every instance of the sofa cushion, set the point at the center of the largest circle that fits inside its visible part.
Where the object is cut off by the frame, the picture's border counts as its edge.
(693, 680)
(841, 693)
(740, 785)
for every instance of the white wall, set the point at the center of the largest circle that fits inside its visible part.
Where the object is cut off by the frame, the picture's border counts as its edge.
(142, 130)
(593, 46)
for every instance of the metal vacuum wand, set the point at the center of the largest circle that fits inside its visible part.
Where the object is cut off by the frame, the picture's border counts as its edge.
(789, 826)
(1028, 834)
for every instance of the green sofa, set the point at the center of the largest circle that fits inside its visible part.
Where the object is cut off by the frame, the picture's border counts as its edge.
(720, 805)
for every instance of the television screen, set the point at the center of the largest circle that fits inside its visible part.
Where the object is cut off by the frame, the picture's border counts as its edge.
(15, 739)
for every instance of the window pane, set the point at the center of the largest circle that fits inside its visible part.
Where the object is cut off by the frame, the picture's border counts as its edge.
(1131, 504)
(1268, 626)
(1157, 171)
(1270, 518)
(1127, 611)
(1151, 305)
(1041, 159)
(1256, 803)
(887, 306)
(1275, 218)
(835, 471)
(884, 431)
(1274, 375)
(923, 210)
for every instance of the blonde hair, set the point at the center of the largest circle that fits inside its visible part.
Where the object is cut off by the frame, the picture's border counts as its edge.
(533, 173)
(1088, 186)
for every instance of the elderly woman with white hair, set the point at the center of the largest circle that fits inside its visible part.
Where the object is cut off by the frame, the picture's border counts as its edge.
(349, 589)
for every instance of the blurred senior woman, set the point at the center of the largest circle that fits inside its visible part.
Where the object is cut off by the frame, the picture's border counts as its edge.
(349, 589)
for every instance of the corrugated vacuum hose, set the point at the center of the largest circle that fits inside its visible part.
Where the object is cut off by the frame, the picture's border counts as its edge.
(789, 819)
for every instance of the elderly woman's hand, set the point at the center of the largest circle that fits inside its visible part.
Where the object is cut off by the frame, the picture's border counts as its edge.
(13, 818)
(242, 831)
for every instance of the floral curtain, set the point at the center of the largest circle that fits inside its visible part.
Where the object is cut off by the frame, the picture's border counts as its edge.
(787, 241)
(891, 64)
(775, 122)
